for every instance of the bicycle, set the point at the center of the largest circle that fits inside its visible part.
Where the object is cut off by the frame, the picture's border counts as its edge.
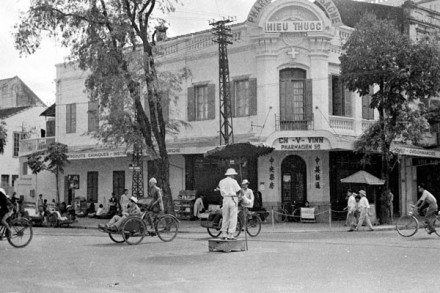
(408, 225)
(287, 212)
(214, 226)
(21, 234)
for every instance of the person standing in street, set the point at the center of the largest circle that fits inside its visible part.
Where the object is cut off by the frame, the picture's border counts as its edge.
(40, 204)
(427, 199)
(229, 190)
(350, 208)
(124, 201)
(364, 207)
(199, 207)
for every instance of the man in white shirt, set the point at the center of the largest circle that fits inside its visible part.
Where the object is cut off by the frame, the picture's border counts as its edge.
(247, 201)
(429, 200)
(124, 201)
(199, 207)
(350, 206)
(364, 206)
(229, 190)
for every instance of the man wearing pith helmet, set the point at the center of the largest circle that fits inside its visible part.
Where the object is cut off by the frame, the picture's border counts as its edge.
(230, 191)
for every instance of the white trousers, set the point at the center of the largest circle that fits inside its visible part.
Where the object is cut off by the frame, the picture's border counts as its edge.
(364, 216)
(229, 212)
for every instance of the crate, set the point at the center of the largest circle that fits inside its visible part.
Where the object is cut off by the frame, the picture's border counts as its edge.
(226, 245)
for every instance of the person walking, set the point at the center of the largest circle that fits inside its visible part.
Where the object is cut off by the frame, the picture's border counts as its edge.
(350, 208)
(229, 190)
(427, 199)
(364, 207)
(124, 201)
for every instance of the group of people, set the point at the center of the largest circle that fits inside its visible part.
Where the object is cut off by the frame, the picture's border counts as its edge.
(358, 210)
(129, 207)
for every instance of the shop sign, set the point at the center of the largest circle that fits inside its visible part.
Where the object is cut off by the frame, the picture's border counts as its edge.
(293, 26)
(415, 152)
(256, 10)
(425, 161)
(332, 11)
(310, 143)
(173, 151)
(96, 155)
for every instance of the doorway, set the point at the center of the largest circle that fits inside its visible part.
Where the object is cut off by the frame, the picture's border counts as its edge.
(294, 180)
(92, 186)
(118, 182)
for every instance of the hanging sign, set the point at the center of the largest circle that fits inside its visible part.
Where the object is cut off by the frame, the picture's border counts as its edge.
(293, 26)
(310, 143)
(256, 10)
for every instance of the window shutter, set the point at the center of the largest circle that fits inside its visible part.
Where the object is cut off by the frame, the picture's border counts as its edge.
(308, 105)
(73, 129)
(330, 94)
(211, 101)
(348, 98)
(165, 103)
(191, 104)
(253, 97)
(370, 110)
(68, 117)
(365, 106)
(50, 128)
(338, 102)
(233, 97)
(92, 114)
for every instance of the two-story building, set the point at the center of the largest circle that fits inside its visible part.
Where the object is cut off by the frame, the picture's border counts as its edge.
(285, 92)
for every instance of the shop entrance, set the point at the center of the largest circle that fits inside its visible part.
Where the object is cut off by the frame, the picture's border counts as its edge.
(118, 182)
(294, 178)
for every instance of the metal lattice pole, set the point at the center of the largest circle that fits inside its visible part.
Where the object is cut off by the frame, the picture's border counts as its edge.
(223, 38)
(137, 185)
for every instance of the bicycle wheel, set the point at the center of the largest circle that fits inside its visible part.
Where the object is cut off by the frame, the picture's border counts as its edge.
(116, 237)
(253, 226)
(281, 216)
(214, 232)
(167, 228)
(133, 231)
(21, 233)
(407, 226)
(436, 224)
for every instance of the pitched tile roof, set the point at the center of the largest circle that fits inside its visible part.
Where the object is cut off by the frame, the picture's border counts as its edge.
(8, 112)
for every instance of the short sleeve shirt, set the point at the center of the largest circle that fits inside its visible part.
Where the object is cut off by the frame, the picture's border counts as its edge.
(428, 198)
(228, 187)
(363, 203)
(248, 202)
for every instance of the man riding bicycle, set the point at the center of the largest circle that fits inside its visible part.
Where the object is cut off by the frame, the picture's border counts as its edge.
(427, 199)
(5, 203)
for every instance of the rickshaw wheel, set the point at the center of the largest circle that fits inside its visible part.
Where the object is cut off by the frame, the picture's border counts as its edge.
(167, 228)
(214, 232)
(115, 237)
(133, 231)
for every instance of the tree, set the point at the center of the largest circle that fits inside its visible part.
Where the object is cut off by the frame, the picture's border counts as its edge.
(3, 136)
(53, 160)
(403, 72)
(113, 40)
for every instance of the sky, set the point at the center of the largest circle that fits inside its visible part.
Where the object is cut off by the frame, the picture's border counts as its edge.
(38, 70)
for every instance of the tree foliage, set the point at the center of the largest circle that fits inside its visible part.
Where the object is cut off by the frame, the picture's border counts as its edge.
(3, 136)
(113, 40)
(53, 160)
(401, 71)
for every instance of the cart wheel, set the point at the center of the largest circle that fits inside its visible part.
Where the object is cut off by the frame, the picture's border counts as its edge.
(133, 231)
(167, 228)
(53, 220)
(116, 237)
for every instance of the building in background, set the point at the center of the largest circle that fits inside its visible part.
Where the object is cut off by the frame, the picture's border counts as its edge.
(15, 93)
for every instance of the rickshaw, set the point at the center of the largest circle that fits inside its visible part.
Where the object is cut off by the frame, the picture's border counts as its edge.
(133, 229)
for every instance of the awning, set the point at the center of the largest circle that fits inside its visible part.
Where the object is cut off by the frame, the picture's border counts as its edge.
(239, 150)
(363, 177)
(49, 112)
(416, 151)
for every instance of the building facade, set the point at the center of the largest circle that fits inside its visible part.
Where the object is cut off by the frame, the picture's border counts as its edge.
(285, 92)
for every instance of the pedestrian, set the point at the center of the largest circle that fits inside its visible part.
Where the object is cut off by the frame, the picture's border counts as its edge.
(157, 198)
(389, 197)
(427, 199)
(40, 204)
(350, 208)
(113, 205)
(364, 207)
(199, 207)
(124, 201)
(229, 190)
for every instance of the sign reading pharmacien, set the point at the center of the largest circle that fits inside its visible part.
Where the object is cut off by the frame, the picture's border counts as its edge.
(301, 143)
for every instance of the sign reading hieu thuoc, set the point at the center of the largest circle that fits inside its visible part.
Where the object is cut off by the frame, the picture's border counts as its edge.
(293, 26)
(302, 143)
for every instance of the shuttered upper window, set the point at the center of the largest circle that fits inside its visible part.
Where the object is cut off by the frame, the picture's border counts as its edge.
(340, 98)
(71, 118)
(93, 117)
(244, 97)
(367, 111)
(201, 102)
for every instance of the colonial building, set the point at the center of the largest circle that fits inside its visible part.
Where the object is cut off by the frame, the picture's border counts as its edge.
(286, 92)
(15, 93)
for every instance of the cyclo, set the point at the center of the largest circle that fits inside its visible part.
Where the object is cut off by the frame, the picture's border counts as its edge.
(133, 229)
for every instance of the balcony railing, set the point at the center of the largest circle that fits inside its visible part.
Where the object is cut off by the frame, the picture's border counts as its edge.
(29, 146)
(293, 124)
(342, 123)
(366, 124)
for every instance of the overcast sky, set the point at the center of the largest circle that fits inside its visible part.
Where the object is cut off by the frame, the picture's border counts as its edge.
(38, 70)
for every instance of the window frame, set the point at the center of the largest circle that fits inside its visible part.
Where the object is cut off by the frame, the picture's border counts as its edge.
(204, 104)
(16, 138)
(71, 118)
(239, 98)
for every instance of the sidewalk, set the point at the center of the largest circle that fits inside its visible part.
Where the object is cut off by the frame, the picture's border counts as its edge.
(194, 226)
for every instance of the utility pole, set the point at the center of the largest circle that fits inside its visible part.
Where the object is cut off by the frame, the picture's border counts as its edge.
(223, 38)
(137, 183)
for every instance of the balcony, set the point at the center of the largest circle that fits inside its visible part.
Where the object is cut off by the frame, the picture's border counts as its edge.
(29, 146)
(293, 124)
(341, 123)
(366, 124)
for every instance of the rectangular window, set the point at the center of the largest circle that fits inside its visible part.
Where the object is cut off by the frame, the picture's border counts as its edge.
(201, 102)
(340, 102)
(50, 128)
(71, 118)
(241, 96)
(93, 118)
(24, 169)
(14, 178)
(16, 144)
(5, 181)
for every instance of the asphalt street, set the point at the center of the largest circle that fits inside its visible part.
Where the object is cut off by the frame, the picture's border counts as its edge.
(74, 260)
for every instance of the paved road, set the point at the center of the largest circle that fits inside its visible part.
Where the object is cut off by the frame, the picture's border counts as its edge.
(72, 260)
